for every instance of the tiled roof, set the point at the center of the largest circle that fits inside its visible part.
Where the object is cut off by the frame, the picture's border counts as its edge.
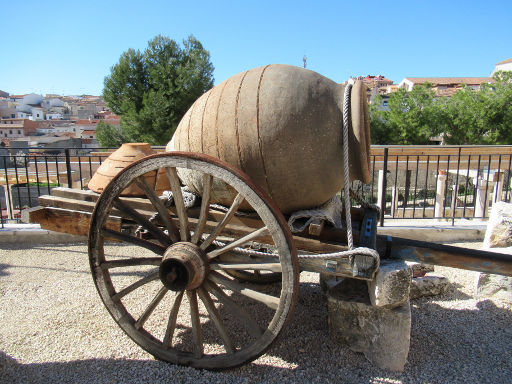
(450, 80)
(505, 61)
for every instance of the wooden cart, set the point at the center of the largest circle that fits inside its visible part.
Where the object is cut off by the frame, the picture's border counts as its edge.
(210, 287)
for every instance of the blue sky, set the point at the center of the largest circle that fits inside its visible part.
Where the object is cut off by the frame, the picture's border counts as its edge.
(68, 47)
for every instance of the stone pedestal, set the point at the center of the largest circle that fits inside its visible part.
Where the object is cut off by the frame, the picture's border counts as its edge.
(381, 334)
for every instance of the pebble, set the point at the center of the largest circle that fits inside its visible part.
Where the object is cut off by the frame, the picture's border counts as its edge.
(55, 329)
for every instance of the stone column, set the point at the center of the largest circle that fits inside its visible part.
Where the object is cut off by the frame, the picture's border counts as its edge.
(8, 203)
(440, 192)
(481, 204)
(394, 201)
(380, 187)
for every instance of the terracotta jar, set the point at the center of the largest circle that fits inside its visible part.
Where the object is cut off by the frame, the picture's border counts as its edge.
(282, 125)
(120, 159)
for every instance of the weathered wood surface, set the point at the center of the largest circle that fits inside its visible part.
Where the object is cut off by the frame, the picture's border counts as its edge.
(77, 205)
(68, 221)
(62, 210)
(239, 225)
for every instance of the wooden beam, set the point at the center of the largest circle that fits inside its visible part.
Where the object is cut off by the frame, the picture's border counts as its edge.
(68, 221)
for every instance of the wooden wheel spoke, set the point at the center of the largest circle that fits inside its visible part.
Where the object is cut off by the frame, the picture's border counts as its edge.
(160, 207)
(134, 286)
(273, 267)
(197, 333)
(237, 243)
(132, 262)
(158, 249)
(205, 206)
(268, 300)
(241, 258)
(174, 180)
(141, 220)
(245, 319)
(225, 220)
(217, 321)
(171, 323)
(151, 307)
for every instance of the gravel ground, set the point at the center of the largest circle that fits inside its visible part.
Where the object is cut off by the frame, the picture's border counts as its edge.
(56, 330)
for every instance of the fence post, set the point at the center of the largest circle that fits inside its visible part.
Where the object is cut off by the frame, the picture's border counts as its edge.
(453, 205)
(382, 189)
(68, 168)
(498, 186)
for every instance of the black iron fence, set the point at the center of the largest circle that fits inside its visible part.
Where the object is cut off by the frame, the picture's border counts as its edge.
(438, 182)
(408, 182)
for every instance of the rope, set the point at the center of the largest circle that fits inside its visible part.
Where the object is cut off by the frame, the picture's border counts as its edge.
(346, 181)
(334, 255)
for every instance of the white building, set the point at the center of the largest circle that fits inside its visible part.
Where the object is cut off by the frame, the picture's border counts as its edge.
(505, 65)
(23, 115)
(53, 116)
(37, 113)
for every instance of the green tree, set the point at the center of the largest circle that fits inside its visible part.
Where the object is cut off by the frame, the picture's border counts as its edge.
(481, 116)
(110, 135)
(411, 117)
(380, 130)
(152, 90)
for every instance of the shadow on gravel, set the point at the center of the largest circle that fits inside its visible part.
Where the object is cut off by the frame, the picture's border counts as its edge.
(450, 345)
(3, 269)
(447, 346)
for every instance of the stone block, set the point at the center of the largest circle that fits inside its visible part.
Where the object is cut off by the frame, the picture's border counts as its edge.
(391, 285)
(419, 269)
(496, 286)
(432, 284)
(498, 238)
(381, 334)
(499, 227)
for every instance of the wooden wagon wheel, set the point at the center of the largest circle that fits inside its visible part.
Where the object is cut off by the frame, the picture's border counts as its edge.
(169, 292)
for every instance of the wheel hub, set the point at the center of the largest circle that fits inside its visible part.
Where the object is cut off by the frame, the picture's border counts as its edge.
(184, 266)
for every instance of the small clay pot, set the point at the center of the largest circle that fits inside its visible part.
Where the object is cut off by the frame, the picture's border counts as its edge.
(120, 159)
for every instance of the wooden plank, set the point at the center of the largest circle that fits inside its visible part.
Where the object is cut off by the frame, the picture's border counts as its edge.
(138, 203)
(69, 221)
(330, 242)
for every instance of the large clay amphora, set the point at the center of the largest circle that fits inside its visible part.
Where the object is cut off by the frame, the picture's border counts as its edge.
(282, 125)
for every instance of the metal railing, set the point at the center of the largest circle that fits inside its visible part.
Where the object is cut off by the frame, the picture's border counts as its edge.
(408, 182)
(438, 182)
